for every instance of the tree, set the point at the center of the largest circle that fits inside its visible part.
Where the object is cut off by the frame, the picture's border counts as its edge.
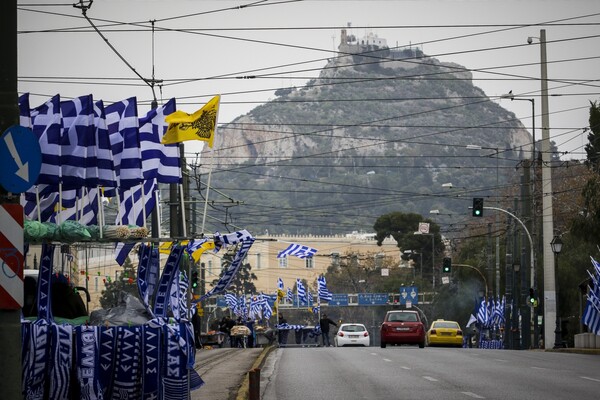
(402, 227)
(586, 225)
(242, 280)
(112, 295)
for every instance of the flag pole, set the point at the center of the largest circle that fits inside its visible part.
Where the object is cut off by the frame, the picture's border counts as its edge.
(182, 210)
(212, 152)
(37, 200)
(207, 189)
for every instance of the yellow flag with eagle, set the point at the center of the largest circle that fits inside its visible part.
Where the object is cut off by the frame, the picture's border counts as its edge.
(200, 125)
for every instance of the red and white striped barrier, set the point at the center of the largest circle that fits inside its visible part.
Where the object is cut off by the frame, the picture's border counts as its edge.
(11, 256)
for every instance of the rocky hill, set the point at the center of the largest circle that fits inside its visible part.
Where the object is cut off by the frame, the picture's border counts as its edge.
(375, 133)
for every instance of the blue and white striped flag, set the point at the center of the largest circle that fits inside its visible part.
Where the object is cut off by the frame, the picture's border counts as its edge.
(46, 124)
(243, 307)
(107, 176)
(297, 250)
(231, 300)
(591, 314)
(290, 295)
(46, 208)
(159, 161)
(483, 315)
(82, 207)
(301, 291)
(78, 144)
(324, 294)
(122, 123)
(24, 111)
(279, 283)
(267, 311)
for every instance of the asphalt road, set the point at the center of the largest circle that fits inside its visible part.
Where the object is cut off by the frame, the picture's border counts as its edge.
(223, 371)
(428, 374)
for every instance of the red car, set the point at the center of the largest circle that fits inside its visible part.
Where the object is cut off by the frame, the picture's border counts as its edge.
(402, 327)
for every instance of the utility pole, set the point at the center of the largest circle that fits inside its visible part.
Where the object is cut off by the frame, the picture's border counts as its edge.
(547, 208)
(10, 319)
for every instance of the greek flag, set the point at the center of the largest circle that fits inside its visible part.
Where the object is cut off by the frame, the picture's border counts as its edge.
(297, 250)
(78, 143)
(123, 132)
(107, 176)
(498, 312)
(46, 124)
(324, 294)
(46, 208)
(231, 300)
(591, 314)
(243, 308)
(255, 308)
(82, 207)
(290, 295)
(280, 283)
(267, 311)
(24, 111)
(301, 291)
(159, 161)
(483, 315)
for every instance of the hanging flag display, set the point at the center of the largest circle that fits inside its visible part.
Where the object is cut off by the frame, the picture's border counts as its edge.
(200, 125)
(297, 250)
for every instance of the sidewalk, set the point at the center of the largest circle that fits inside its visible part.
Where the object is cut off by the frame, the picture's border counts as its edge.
(225, 371)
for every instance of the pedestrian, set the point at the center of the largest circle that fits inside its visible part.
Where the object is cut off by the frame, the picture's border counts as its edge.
(196, 323)
(324, 322)
(252, 336)
(282, 334)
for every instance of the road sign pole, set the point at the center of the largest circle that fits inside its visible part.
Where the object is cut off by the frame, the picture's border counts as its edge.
(10, 319)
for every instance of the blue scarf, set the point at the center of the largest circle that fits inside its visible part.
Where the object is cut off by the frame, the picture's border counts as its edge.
(228, 276)
(142, 280)
(164, 286)
(127, 382)
(61, 359)
(87, 362)
(179, 362)
(36, 339)
(152, 350)
(106, 349)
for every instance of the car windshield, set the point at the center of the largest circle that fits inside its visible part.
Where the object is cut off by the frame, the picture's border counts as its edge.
(402, 317)
(353, 328)
(451, 325)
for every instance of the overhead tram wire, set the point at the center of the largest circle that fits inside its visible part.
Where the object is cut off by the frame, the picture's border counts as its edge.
(366, 54)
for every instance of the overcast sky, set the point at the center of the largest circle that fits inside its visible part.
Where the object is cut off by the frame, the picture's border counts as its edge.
(202, 48)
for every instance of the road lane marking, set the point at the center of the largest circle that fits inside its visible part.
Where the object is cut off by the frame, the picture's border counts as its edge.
(403, 367)
(429, 378)
(501, 360)
(538, 368)
(590, 379)
(471, 394)
(387, 359)
(374, 354)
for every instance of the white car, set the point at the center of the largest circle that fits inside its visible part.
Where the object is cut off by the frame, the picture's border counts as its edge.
(352, 334)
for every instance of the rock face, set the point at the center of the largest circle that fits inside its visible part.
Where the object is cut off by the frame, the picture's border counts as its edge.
(392, 123)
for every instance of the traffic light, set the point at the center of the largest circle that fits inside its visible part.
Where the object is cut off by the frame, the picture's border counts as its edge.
(447, 265)
(532, 299)
(195, 280)
(477, 206)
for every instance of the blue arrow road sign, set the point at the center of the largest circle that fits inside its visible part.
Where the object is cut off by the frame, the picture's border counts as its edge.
(409, 293)
(20, 159)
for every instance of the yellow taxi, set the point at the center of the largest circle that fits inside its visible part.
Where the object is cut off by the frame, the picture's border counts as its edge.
(444, 333)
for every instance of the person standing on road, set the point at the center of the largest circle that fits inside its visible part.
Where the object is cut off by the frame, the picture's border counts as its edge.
(324, 322)
(282, 334)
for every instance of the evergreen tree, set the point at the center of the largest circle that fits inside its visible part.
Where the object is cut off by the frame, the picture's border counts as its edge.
(586, 225)
(114, 290)
(242, 280)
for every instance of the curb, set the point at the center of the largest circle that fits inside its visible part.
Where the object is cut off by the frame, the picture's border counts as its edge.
(243, 391)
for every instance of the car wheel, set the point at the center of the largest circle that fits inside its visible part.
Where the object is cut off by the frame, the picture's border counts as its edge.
(422, 345)
(383, 345)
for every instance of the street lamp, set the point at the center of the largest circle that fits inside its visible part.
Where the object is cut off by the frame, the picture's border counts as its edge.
(556, 245)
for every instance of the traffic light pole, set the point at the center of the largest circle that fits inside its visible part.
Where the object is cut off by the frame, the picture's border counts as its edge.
(478, 271)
